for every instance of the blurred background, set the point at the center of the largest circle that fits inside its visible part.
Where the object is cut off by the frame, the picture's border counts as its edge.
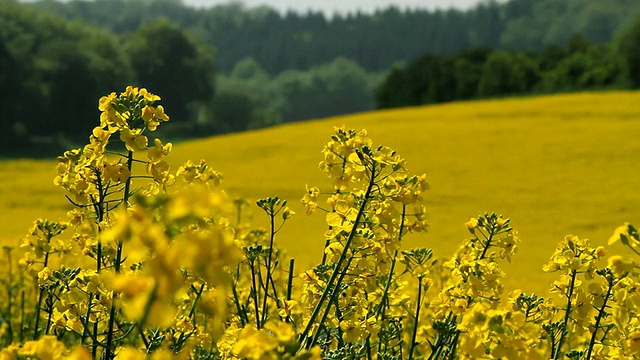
(224, 67)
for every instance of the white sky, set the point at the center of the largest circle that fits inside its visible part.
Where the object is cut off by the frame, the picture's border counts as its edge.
(330, 7)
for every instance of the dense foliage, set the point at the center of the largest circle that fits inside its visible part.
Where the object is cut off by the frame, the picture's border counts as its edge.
(44, 58)
(482, 73)
(376, 41)
(162, 265)
(275, 68)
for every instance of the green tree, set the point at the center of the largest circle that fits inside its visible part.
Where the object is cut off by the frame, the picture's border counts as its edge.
(244, 100)
(248, 70)
(76, 71)
(375, 41)
(430, 79)
(345, 88)
(507, 73)
(300, 90)
(584, 66)
(628, 46)
(52, 71)
(231, 111)
(339, 87)
(468, 69)
(171, 61)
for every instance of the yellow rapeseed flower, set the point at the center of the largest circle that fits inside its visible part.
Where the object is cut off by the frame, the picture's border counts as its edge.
(133, 139)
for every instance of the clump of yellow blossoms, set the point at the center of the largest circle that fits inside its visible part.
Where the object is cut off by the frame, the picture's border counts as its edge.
(157, 264)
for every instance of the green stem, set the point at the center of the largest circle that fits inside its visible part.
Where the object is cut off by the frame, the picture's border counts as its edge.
(110, 350)
(112, 313)
(440, 341)
(41, 295)
(241, 313)
(146, 311)
(332, 299)
(324, 253)
(100, 212)
(601, 314)
(35, 331)
(417, 319)
(275, 296)
(339, 318)
(341, 259)
(565, 322)
(192, 311)
(269, 272)
(255, 294)
(454, 346)
(290, 279)
(22, 314)
(127, 184)
(487, 244)
(385, 293)
(50, 313)
(94, 336)
(85, 325)
(94, 341)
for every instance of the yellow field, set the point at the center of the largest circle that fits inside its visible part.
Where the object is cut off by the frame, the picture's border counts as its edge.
(556, 165)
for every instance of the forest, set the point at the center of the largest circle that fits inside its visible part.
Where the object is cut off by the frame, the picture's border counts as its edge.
(231, 68)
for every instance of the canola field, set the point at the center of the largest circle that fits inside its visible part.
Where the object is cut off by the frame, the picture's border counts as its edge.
(556, 165)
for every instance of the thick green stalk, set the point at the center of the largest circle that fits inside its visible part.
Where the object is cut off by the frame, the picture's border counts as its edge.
(417, 319)
(50, 310)
(565, 322)
(387, 285)
(440, 342)
(22, 314)
(269, 272)
(35, 331)
(127, 184)
(146, 311)
(601, 314)
(333, 299)
(241, 313)
(99, 208)
(454, 347)
(85, 325)
(341, 259)
(290, 279)
(324, 253)
(41, 295)
(255, 294)
(118, 261)
(487, 244)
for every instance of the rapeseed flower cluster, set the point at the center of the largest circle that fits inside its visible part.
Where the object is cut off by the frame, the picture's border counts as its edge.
(159, 264)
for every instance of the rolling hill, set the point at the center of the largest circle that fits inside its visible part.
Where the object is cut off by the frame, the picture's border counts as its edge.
(556, 165)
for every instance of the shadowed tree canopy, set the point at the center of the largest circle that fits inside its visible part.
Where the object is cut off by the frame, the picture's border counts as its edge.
(51, 73)
(178, 67)
(288, 67)
(300, 41)
(507, 73)
(628, 45)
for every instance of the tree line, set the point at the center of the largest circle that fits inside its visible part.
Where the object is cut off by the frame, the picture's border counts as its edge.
(53, 70)
(280, 42)
(482, 73)
(57, 58)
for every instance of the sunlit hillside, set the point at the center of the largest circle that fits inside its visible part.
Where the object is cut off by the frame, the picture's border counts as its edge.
(556, 165)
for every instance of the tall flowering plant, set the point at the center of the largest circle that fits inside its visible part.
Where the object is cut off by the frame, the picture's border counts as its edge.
(158, 264)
